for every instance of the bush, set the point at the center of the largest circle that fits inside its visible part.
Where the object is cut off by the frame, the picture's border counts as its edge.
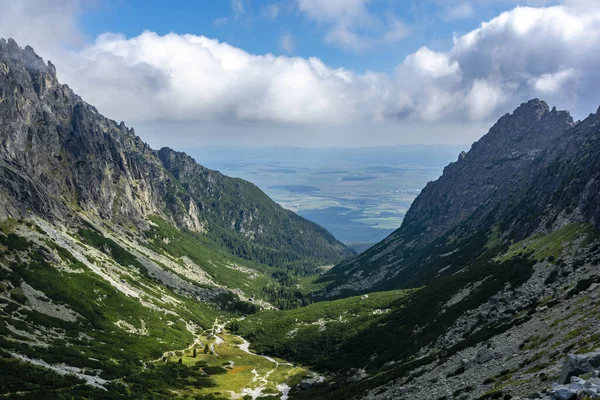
(214, 370)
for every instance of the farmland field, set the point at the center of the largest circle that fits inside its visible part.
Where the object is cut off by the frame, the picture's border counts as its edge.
(359, 195)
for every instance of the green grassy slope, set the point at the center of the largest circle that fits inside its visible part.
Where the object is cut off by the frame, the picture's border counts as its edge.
(316, 334)
(345, 335)
(242, 218)
(106, 303)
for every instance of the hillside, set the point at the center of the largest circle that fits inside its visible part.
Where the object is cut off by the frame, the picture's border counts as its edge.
(127, 272)
(532, 173)
(60, 155)
(112, 253)
(501, 255)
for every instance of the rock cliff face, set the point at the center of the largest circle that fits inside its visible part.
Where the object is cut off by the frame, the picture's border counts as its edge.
(263, 230)
(501, 254)
(533, 172)
(59, 156)
(492, 175)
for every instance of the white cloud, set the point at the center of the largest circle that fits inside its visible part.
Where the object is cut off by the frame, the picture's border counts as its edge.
(187, 77)
(552, 83)
(43, 24)
(523, 53)
(526, 52)
(483, 98)
(429, 63)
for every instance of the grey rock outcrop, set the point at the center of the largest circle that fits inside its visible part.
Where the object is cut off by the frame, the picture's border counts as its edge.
(59, 156)
(579, 364)
(533, 172)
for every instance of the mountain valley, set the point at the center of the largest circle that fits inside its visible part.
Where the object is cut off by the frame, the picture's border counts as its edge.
(128, 272)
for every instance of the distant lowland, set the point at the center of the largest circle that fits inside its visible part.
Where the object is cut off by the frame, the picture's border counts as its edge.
(359, 195)
(297, 188)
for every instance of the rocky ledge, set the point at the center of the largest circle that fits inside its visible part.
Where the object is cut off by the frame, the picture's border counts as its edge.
(579, 379)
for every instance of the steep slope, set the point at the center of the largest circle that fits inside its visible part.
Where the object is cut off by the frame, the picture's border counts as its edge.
(112, 254)
(502, 253)
(528, 174)
(58, 152)
(262, 230)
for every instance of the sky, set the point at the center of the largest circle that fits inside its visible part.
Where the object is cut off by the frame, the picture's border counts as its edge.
(315, 73)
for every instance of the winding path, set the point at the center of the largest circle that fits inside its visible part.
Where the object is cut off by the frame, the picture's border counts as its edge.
(257, 392)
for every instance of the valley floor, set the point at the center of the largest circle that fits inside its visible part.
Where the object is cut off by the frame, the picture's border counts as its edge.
(217, 365)
(236, 372)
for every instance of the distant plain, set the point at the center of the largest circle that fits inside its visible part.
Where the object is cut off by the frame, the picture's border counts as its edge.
(359, 195)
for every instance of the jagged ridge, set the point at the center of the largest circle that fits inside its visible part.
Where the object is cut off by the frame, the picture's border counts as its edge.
(59, 154)
(534, 171)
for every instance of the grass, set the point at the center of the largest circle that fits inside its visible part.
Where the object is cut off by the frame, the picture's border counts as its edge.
(329, 335)
(116, 353)
(312, 333)
(111, 349)
(551, 246)
(254, 279)
(226, 378)
(35, 382)
(207, 254)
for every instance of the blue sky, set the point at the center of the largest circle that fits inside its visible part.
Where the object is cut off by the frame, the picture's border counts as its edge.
(257, 30)
(315, 72)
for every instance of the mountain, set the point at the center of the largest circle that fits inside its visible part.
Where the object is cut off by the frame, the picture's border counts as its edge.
(112, 253)
(59, 153)
(127, 272)
(489, 283)
(532, 173)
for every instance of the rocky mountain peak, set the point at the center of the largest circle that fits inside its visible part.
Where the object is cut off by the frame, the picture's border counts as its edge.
(532, 109)
(531, 121)
(491, 184)
(59, 156)
(42, 75)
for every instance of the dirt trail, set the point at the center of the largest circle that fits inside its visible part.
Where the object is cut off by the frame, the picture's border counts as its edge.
(257, 392)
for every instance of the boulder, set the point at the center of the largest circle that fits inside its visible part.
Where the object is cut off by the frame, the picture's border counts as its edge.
(485, 355)
(564, 394)
(578, 364)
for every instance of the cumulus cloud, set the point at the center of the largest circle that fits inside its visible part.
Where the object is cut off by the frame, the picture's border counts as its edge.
(43, 24)
(526, 52)
(187, 77)
(428, 63)
(547, 52)
(552, 83)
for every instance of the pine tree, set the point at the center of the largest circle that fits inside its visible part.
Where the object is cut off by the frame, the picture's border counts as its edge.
(194, 351)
